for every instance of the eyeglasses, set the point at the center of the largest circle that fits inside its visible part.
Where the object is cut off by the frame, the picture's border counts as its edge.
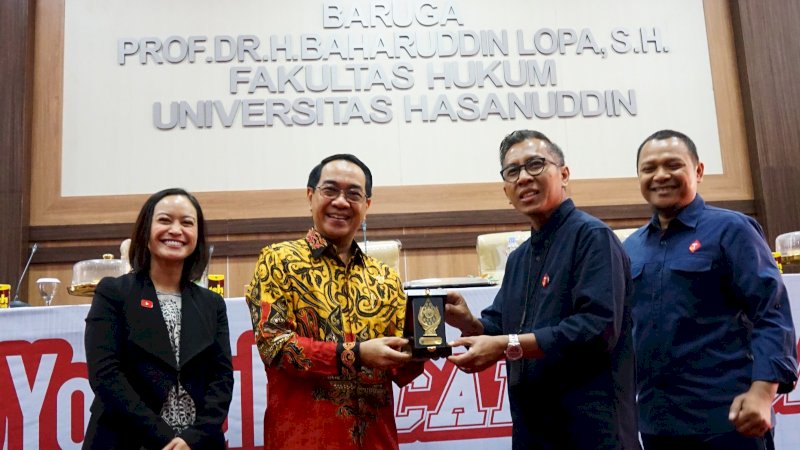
(332, 193)
(534, 167)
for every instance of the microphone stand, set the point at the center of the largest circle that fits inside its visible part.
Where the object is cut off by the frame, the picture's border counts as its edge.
(17, 303)
(364, 229)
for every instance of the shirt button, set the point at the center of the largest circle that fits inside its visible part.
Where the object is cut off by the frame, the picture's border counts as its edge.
(663, 243)
(538, 258)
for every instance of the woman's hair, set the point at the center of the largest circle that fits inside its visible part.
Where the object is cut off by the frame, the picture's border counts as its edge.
(139, 254)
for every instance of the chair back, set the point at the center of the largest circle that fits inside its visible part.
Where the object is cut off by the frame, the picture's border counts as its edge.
(493, 251)
(388, 251)
(623, 233)
(124, 252)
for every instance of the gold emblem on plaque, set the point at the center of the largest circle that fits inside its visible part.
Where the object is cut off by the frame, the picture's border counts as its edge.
(429, 318)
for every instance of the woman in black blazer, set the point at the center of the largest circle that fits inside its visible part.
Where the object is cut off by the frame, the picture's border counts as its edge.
(157, 345)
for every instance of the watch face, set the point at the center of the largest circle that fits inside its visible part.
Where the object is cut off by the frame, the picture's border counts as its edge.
(514, 352)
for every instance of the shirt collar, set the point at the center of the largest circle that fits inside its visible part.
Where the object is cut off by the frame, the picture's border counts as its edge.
(688, 216)
(554, 222)
(319, 246)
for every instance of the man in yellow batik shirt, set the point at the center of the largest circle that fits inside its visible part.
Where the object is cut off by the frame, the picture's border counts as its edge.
(328, 321)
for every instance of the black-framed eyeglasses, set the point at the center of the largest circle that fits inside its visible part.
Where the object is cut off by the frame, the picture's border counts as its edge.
(534, 167)
(333, 192)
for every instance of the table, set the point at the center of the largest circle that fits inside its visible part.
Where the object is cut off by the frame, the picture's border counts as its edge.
(787, 406)
(45, 396)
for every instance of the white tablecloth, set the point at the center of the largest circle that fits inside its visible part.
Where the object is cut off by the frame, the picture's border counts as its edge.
(45, 397)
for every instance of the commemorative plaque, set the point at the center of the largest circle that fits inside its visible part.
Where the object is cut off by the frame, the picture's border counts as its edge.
(424, 327)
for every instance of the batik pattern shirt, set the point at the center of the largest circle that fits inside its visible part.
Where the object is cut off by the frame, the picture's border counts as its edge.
(309, 311)
(179, 409)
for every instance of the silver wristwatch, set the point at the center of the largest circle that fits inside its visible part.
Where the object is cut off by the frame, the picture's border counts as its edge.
(514, 349)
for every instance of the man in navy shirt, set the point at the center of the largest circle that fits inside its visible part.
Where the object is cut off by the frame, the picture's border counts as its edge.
(561, 317)
(712, 327)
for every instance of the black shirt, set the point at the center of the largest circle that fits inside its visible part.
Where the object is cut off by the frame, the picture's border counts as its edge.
(569, 284)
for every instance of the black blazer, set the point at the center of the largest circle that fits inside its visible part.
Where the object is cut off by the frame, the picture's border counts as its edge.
(132, 367)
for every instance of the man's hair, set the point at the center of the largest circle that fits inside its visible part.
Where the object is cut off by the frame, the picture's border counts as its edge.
(139, 253)
(667, 134)
(316, 172)
(515, 137)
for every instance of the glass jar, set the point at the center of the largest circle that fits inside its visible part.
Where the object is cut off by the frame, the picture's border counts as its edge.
(86, 274)
(788, 244)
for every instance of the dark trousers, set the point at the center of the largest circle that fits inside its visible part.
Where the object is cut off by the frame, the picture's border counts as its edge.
(725, 441)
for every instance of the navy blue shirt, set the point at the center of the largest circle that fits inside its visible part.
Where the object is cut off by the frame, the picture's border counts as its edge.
(711, 315)
(569, 284)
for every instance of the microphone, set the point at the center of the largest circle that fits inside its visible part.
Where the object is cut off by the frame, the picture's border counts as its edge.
(364, 230)
(17, 303)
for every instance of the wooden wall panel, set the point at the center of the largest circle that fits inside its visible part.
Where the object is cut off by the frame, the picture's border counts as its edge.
(768, 50)
(428, 252)
(415, 264)
(16, 75)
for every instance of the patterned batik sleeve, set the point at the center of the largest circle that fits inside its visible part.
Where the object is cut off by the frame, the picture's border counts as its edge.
(275, 325)
(392, 291)
(396, 323)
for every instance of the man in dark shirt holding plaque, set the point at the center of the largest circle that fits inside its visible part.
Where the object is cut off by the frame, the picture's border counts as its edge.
(561, 317)
(712, 327)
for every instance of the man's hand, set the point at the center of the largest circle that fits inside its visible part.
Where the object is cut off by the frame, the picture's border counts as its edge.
(483, 352)
(409, 372)
(457, 314)
(384, 353)
(751, 412)
(177, 444)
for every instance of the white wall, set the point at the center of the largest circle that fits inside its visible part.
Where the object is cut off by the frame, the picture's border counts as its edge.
(110, 130)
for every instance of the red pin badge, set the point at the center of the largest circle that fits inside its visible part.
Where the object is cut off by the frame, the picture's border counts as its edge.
(545, 280)
(147, 304)
(694, 246)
